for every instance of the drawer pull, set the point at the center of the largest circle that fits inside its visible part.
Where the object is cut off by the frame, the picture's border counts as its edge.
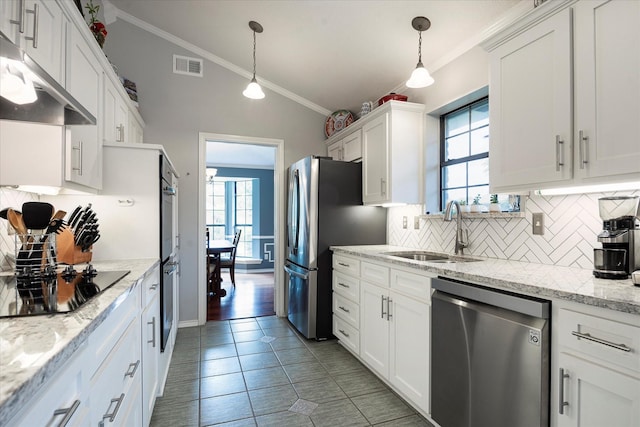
(343, 285)
(112, 416)
(343, 264)
(133, 367)
(561, 402)
(344, 309)
(588, 337)
(152, 341)
(67, 412)
(343, 333)
(153, 287)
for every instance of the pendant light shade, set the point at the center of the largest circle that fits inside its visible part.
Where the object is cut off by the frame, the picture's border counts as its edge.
(420, 76)
(253, 90)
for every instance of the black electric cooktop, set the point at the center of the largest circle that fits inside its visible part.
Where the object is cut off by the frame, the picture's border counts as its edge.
(31, 293)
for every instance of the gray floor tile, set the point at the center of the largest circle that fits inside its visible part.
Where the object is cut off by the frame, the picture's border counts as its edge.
(305, 371)
(243, 320)
(412, 421)
(245, 326)
(210, 368)
(188, 332)
(252, 347)
(211, 340)
(180, 391)
(187, 341)
(222, 384)
(340, 365)
(290, 356)
(341, 413)
(272, 399)
(258, 361)
(319, 390)
(382, 406)
(218, 352)
(279, 331)
(220, 327)
(185, 355)
(179, 415)
(286, 418)
(268, 377)
(246, 422)
(281, 343)
(248, 336)
(271, 321)
(225, 408)
(183, 372)
(359, 382)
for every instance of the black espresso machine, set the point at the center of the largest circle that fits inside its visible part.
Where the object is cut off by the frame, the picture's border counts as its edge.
(620, 238)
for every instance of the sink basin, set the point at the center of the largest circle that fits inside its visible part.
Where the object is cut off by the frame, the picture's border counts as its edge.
(429, 257)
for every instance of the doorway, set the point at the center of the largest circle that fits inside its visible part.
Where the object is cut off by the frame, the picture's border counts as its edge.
(245, 173)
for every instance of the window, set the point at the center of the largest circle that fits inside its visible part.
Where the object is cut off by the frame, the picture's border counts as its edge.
(216, 210)
(244, 215)
(464, 157)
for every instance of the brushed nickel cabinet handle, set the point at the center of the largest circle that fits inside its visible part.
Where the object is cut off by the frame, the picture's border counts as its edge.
(21, 16)
(343, 285)
(343, 332)
(561, 402)
(112, 416)
(559, 153)
(153, 333)
(133, 367)
(67, 412)
(589, 337)
(382, 301)
(36, 18)
(389, 315)
(346, 310)
(584, 152)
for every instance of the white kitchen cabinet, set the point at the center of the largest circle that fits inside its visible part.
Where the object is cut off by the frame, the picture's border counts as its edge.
(38, 27)
(346, 301)
(347, 149)
(150, 325)
(136, 128)
(115, 117)
(595, 366)
(374, 330)
(392, 140)
(574, 120)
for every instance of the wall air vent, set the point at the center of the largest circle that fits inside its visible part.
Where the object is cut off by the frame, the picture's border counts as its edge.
(187, 66)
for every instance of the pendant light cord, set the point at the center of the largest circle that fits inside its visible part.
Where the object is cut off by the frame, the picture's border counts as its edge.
(254, 54)
(419, 47)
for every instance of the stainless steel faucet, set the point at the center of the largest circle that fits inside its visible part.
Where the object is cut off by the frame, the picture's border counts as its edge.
(462, 236)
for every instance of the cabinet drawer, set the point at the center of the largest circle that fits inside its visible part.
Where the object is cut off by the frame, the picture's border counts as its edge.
(346, 265)
(412, 284)
(348, 310)
(348, 335)
(600, 335)
(150, 286)
(346, 285)
(115, 381)
(375, 273)
(105, 337)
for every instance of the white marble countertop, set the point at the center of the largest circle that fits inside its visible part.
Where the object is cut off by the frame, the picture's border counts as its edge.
(545, 281)
(33, 349)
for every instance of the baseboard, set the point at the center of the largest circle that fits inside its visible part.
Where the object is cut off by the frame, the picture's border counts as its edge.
(188, 324)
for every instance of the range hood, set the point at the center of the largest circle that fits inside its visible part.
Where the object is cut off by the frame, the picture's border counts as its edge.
(54, 105)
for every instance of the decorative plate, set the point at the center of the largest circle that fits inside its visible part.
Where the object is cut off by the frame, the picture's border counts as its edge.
(337, 121)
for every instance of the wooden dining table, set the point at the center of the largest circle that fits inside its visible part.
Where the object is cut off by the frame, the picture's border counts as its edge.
(214, 249)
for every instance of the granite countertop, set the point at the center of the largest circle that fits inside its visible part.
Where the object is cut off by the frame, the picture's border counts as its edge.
(545, 281)
(33, 349)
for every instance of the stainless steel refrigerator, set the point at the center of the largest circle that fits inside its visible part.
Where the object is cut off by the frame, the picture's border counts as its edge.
(324, 208)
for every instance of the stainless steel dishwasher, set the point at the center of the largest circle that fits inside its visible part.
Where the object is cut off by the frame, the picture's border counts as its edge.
(489, 358)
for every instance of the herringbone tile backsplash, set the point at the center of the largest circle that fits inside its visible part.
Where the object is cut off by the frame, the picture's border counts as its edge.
(571, 224)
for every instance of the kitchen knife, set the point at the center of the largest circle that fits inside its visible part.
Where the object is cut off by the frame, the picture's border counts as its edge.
(74, 214)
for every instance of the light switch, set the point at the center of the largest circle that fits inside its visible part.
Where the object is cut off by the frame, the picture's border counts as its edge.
(538, 223)
(404, 222)
(416, 223)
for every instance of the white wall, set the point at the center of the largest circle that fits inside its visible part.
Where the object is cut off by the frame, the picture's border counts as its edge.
(176, 108)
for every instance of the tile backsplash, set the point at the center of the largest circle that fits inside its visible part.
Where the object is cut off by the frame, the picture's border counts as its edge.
(571, 224)
(10, 199)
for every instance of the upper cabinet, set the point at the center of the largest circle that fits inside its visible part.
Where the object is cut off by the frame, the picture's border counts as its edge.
(347, 149)
(37, 26)
(553, 125)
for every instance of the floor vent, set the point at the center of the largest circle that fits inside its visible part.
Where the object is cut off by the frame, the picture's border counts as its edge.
(186, 65)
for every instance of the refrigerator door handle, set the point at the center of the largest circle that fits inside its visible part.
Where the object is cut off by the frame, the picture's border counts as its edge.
(293, 237)
(296, 274)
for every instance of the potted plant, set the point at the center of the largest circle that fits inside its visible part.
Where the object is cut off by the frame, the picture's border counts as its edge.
(494, 205)
(475, 206)
(464, 207)
(97, 28)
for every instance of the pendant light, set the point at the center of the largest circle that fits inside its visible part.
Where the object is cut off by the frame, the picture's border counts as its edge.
(253, 90)
(420, 76)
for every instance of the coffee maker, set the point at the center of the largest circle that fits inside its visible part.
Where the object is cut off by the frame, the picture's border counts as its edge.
(620, 238)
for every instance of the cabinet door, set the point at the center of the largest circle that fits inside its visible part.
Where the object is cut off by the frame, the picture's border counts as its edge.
(374, 327)
(44, 36)
(83, 163)
(150, 353)
(335, 150)
(597, 396)
(530, 107)
(375, 160)
(10, 17)
(136, 131)
(352, 147)
(607, 60)
(409, 361)
(83, 72)
(115, 116)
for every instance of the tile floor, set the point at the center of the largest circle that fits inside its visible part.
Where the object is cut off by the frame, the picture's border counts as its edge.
(258, 372)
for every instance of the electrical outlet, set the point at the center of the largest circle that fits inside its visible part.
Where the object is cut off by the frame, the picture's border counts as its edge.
(537, 223)
(416, 223)
(404, 222)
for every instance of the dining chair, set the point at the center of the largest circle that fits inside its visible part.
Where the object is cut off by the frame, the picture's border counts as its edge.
(230, 262)
(212, 273)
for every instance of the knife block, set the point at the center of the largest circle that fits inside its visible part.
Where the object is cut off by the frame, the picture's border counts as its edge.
(69, 252)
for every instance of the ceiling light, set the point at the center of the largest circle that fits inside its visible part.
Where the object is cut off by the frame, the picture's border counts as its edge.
(420, 76)
(253, 90)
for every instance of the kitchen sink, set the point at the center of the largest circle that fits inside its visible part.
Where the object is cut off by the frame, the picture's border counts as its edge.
(429, 257)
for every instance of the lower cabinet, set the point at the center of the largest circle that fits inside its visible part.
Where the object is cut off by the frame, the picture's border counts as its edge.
(393, 328)
(150, 327)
